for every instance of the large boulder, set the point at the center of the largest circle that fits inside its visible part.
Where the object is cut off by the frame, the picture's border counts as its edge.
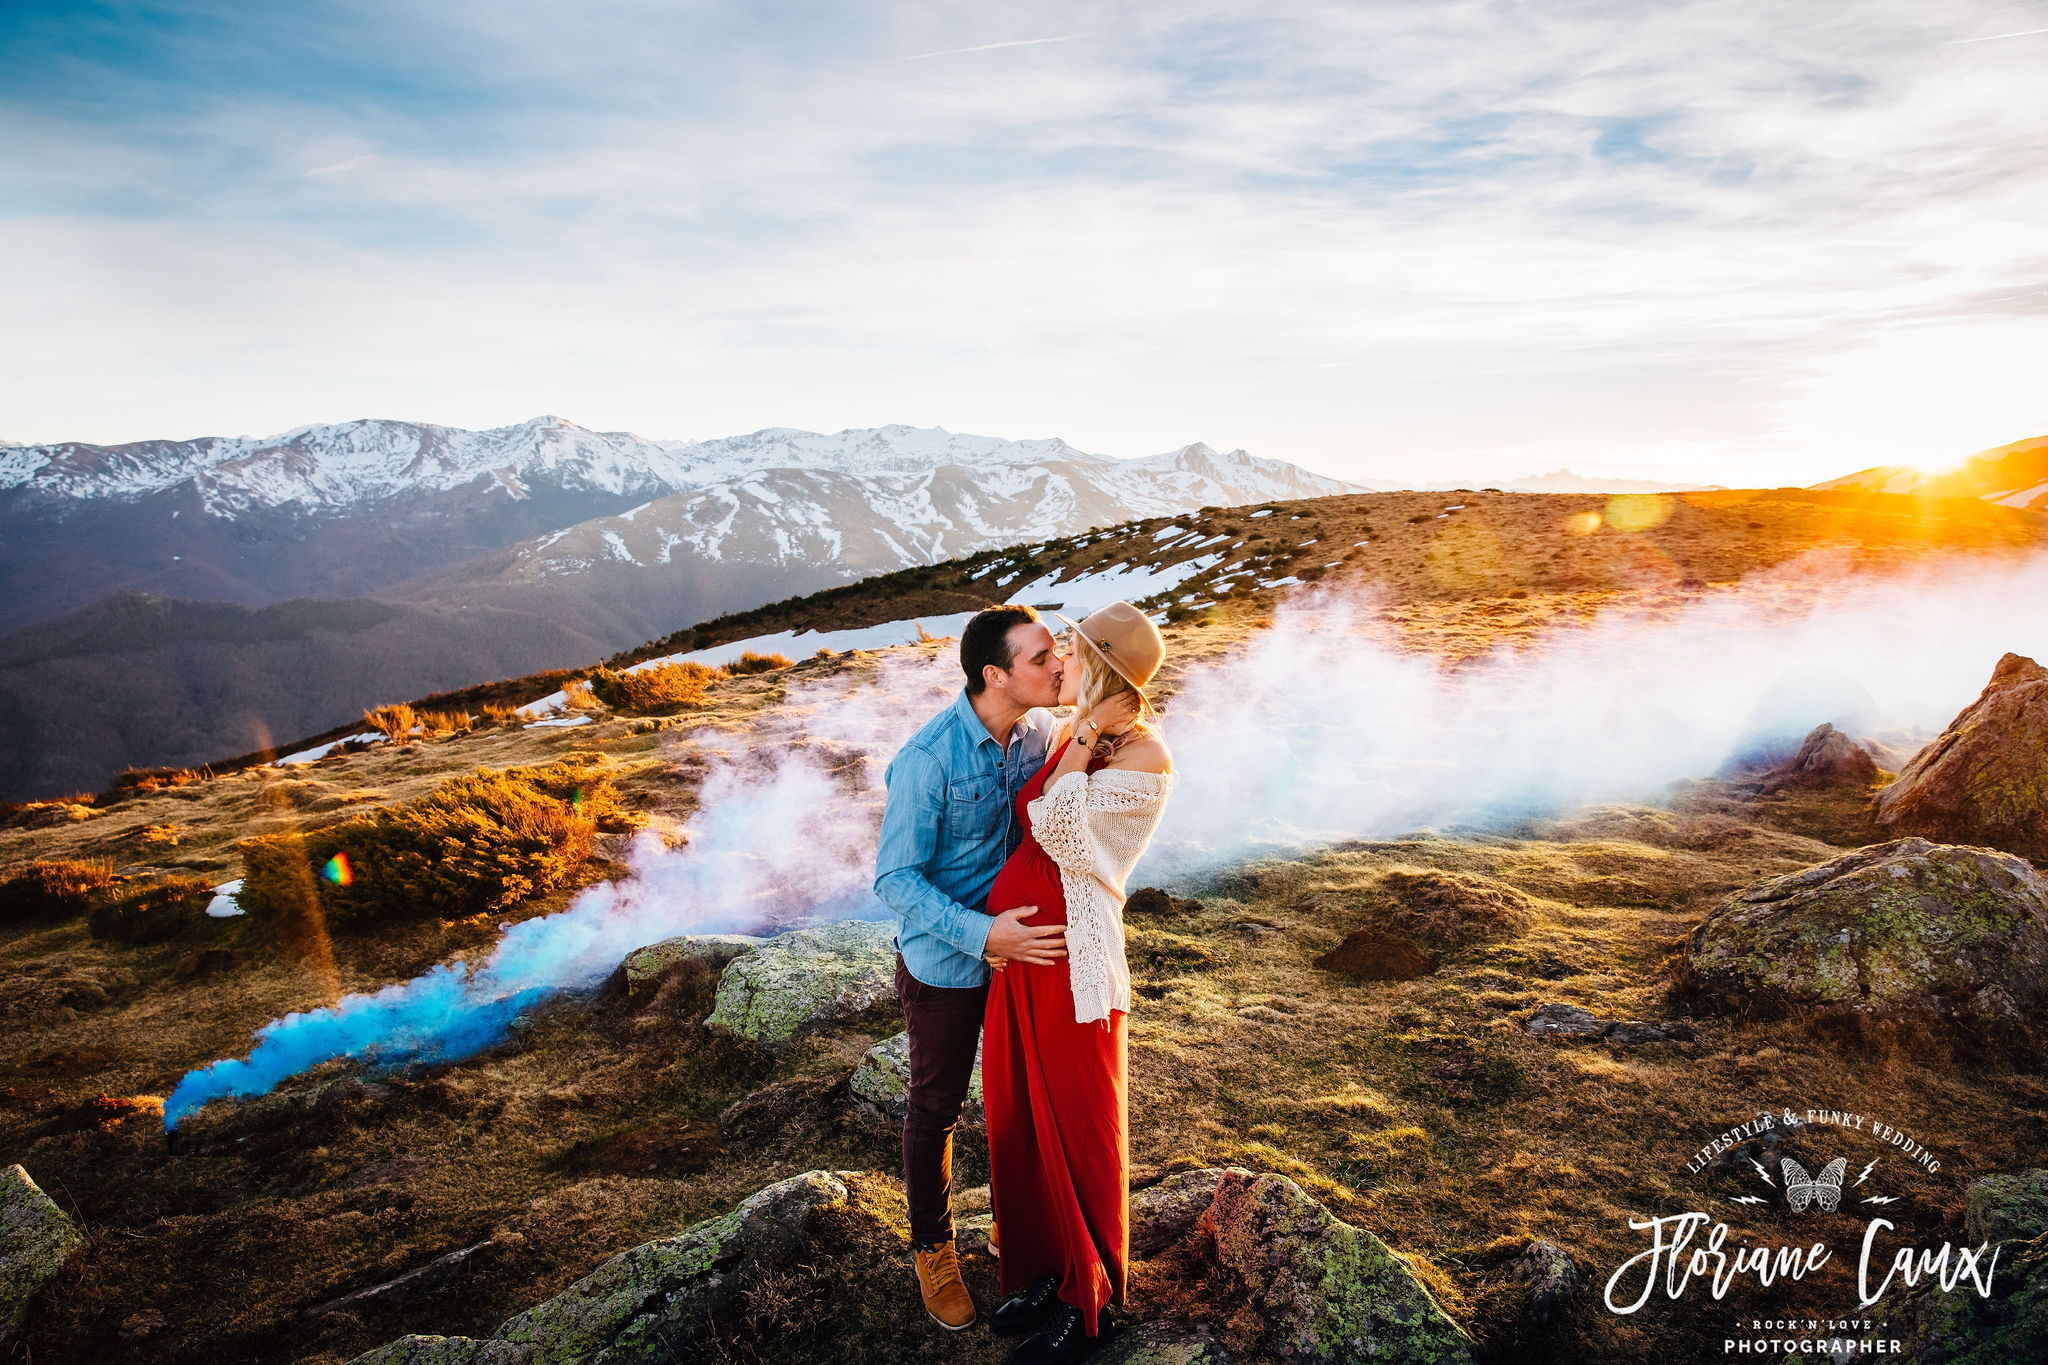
(1324, 1290)
(2011, 1323)
(1908, 929)
(36, 1238)
(805, 980)
(1826, 758)
(642, 1304)
(880, 1083)
(2004, 1208)
(645, 967)
(1985, 780)
(1162, 1214)
(1161, 1343)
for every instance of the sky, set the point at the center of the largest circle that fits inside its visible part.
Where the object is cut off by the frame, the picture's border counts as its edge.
(1739, 243)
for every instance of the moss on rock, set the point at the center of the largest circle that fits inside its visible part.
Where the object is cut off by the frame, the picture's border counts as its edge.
(1907, 929)
(36, 1238)
(806, 980)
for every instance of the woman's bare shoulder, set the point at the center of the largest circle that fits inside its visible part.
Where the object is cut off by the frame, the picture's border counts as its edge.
(1146, 753)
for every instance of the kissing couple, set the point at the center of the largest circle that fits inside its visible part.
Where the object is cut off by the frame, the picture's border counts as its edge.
(1005, 843)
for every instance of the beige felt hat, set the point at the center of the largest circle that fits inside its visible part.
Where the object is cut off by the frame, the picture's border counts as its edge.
(1126, 640)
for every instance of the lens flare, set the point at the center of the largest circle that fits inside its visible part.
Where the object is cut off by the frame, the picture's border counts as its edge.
(1582, 523)
(1638, 511)
(338, 871)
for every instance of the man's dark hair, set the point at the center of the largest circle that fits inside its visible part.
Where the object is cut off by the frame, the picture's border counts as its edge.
(987, 641)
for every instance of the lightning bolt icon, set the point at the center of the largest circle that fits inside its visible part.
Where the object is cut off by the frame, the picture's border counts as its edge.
(1764, 1173)
(1880, 1198)
(1746, 1199)
(1866, 1171)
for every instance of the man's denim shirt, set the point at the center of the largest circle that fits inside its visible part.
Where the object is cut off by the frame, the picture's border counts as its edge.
(947, 829)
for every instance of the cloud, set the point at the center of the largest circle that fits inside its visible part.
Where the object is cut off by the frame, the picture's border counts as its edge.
(1410, 238)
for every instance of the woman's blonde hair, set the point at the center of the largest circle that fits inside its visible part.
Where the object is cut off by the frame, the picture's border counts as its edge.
(1099, 682)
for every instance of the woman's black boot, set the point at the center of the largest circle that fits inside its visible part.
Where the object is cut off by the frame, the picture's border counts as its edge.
(1059, 1340)
(1027, 1310)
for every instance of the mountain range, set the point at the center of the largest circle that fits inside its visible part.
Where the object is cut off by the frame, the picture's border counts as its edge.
(411, 558)
(2015, 475)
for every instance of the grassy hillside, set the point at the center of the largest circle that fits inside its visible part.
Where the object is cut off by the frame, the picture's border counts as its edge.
(1417, 1108)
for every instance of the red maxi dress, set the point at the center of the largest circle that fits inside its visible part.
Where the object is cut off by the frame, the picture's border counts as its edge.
(1055, 1095)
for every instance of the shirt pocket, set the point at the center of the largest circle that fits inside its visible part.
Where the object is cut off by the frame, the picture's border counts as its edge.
(974, 807)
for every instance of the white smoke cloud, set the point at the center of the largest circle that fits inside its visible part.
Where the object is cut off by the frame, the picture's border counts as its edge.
(1323, 727)
(1319, 728)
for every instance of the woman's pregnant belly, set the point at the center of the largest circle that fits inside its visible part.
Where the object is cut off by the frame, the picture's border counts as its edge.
(1031, 877)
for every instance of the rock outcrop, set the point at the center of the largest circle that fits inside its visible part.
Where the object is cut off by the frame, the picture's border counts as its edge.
(880, 1082)
(805, 980)
(645, 967)
(641, 1305)
(1907, 929)
(2011, 1323)
(1321, 1289)
(1985, 780)
(36, 1238)
(1558, 1020)
(1826, 758)
(1162, 1343)
(1553, 1278)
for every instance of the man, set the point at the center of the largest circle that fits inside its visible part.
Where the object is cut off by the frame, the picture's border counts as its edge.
(947, 828)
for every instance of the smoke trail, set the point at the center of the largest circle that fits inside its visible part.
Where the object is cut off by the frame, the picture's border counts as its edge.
(781, 836)
(1319, 728)
(1323, 728)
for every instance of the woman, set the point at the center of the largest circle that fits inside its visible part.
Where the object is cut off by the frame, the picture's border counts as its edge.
(1053, 1047)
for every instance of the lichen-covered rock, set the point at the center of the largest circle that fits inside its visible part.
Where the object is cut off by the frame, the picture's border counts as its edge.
(642, 1304)
(1162, 1214)
(427, 1350)
(1162, 1343)
(1985, 780)
(1552, 1276)
(1964, 1327)
(880, 1082)
(36, 1238)
(1826, 758)
(1558, 1020)
(975, 1234)
(2000, 1208)
(805, 980)
(1326, 1291)
(1904, 929)
(645, 967)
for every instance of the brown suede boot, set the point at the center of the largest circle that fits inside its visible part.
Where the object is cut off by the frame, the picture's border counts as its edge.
(945, 1294)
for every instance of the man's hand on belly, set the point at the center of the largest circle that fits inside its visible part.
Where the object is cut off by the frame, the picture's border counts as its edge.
(1012, 940)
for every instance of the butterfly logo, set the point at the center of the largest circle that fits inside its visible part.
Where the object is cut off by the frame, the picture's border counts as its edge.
(1824, 1189)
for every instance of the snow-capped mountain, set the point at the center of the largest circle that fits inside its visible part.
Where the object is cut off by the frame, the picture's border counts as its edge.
(2015, 475)
(374, 507)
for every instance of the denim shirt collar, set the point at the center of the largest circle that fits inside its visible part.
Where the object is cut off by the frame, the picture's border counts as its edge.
(963, 710)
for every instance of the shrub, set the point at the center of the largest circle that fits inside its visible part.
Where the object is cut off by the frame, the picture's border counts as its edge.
(444, 722)
(477, 844)
(150, 911)
(750, 662)
(577, 696)
(57, 888)
(396, 723)
(664, 687)
(500, 713)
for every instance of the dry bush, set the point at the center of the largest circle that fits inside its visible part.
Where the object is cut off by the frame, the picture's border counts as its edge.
(476, 844)
(54, 889)
(664, 687)
(395, 722)
(135, 780)
(750, 662)
(577, 696)
(444, 722)
(152, 911)
(500, 713)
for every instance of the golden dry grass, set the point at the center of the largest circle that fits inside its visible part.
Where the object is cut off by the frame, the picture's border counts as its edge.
(1416, 1108)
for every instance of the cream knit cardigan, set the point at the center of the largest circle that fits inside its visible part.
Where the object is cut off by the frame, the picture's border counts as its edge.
(1095, 826)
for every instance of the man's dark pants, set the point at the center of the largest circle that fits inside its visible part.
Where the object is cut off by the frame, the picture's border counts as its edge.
(944, 1023)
